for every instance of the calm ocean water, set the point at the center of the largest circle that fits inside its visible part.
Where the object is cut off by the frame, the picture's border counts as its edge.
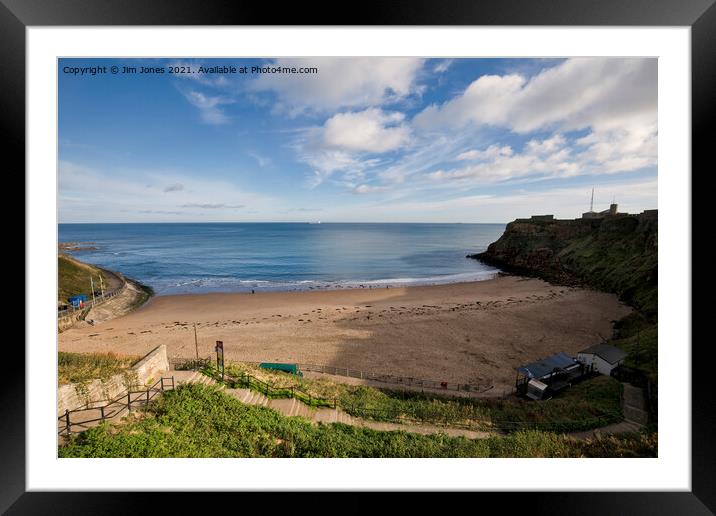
(229, 257)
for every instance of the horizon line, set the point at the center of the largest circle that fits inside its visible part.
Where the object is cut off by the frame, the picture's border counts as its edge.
(281, 222)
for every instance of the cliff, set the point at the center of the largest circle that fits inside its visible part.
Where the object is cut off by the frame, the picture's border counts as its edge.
(616, 254)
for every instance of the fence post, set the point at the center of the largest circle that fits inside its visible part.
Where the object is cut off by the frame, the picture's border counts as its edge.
(101, 412)
(129, 401)
(172, 382)
(147, 395)
(67, 420)
(162, 381)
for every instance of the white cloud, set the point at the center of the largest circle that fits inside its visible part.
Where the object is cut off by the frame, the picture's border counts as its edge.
(209, 107)
(341, 82)
(483, 102)
(364, 189)
(596, 153)
(443, 65)
(601, 93)
(548, 145)
(261, 160)
(371, 130)
(614, 99)
(493, 151)
(325, 162)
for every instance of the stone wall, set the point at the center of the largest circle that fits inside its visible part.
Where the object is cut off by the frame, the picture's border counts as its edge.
(147, 370)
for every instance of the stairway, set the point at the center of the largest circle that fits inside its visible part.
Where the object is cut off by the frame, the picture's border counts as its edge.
(291, 407)
(328, 415)
(182, 377)
(294, 408)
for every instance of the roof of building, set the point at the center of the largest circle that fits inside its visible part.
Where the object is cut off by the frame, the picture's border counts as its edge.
(545, 366)
(606, 352)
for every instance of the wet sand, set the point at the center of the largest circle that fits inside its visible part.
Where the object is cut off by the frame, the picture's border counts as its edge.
(475, 332)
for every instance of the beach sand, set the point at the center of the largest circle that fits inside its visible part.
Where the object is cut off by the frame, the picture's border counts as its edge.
(465, 332)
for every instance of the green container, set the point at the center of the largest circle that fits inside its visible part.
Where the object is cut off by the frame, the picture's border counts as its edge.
(286, 368)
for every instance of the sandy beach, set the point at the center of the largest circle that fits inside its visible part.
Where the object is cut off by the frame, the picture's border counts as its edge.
(465, 332)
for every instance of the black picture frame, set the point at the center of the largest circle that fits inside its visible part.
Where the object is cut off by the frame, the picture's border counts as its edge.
(700, 15)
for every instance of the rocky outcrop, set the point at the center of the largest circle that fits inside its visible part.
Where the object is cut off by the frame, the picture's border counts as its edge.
(616, 254)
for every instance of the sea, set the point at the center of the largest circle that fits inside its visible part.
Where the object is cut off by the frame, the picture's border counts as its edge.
(178, 258)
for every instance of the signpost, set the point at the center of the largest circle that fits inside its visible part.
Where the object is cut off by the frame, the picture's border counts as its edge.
(220, 357)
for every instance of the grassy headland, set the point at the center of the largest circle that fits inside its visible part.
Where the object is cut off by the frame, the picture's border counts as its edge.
(73, 278)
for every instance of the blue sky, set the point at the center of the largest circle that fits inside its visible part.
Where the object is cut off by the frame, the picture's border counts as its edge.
(363, 140)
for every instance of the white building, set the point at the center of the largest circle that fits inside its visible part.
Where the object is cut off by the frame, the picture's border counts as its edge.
(601, 357)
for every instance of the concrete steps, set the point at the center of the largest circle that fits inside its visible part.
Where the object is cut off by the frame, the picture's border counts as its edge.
(249, 397)
(185, 377)
(329, 415)
(290, 407)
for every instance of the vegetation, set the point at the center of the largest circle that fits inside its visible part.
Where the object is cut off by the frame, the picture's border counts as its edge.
(199, 421)
(621, 257)
(588, 405)
(73, 278)
(591, 404)
(82, 367)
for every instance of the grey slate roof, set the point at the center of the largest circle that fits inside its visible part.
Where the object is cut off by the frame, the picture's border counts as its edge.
(546, 365)
(606, 352)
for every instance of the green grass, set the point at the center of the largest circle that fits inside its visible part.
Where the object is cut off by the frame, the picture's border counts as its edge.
(618, 263)
(82, 367)
(590, 404)
(199, 421)
(73, 278)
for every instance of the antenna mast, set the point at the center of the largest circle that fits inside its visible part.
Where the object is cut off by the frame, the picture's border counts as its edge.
(591, 204)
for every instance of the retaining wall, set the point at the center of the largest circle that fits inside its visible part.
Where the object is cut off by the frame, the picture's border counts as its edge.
(72, 396)
(67, 321)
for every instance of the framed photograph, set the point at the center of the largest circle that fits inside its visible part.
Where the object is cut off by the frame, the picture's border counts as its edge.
(418, 251)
